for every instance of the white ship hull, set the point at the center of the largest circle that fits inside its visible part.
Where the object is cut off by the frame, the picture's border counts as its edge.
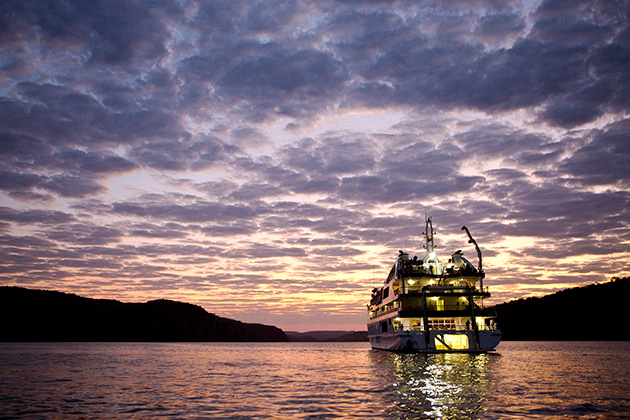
(437, 342)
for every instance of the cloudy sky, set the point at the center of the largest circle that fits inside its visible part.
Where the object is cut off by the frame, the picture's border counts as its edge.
(267, 160)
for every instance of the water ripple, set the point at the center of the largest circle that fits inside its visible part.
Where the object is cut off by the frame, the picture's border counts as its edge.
(311, 381)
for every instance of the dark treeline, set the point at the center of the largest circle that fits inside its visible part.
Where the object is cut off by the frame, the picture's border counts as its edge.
(327, 336)
(38, 315)
(594, 312)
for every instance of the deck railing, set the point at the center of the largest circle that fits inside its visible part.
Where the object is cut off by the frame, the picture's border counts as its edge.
(480, 327)
(444, 288)
(433, 307)
(381, 312)
(430, 307)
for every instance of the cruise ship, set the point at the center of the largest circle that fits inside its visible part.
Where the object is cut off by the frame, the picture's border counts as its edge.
(430, 306)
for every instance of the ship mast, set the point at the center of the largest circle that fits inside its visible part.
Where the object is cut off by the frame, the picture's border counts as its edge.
(428, 233)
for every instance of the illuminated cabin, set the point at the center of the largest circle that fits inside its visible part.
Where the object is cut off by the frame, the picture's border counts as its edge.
(426, 305)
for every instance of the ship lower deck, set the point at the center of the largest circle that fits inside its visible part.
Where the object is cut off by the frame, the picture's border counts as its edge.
(437, 341)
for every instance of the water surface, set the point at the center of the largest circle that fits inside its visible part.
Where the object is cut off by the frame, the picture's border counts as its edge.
(312, 381)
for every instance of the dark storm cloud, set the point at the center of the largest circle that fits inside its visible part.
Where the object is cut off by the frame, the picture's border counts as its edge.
(176, 155)
(252, 191)
(74, 160)
(150, 230)
(552, 211)
(572, 62)
(242, 227)
(398, 173)
(593, 34)
(394, 191)
(10, 181)
(283, 74)
(20, 185)
(406, 52)
(33, 159)
(72, 186)
(44, 135)
(581, 248)
(264, 251)
(298, 75)
(64, 115)
(499, 141)
(418, 162)
(48, 122)
(196, 212)
(113, 33)
(24, 242)
(83, 234)
(22, 151)
(35, 216)
(332, 155)
(498, 27)
(605, 160)
(367, 173)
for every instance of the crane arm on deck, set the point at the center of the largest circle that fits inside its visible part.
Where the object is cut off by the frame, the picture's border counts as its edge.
(472, 241)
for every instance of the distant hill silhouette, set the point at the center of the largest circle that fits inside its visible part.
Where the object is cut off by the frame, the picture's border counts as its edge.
(39, 315)
(594, 312)
(327, 336)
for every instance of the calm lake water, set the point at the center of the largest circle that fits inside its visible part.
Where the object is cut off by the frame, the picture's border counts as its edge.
(312, 381)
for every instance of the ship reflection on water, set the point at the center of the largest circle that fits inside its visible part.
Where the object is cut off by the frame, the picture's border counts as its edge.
(446, 385)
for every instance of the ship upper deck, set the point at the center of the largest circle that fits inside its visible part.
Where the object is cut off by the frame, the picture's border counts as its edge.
(429, 276)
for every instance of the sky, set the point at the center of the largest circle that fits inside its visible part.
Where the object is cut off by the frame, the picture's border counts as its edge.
(267, 160)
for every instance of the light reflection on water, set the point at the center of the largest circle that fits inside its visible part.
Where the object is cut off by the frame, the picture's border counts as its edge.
(312, 381)
(436, 385)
